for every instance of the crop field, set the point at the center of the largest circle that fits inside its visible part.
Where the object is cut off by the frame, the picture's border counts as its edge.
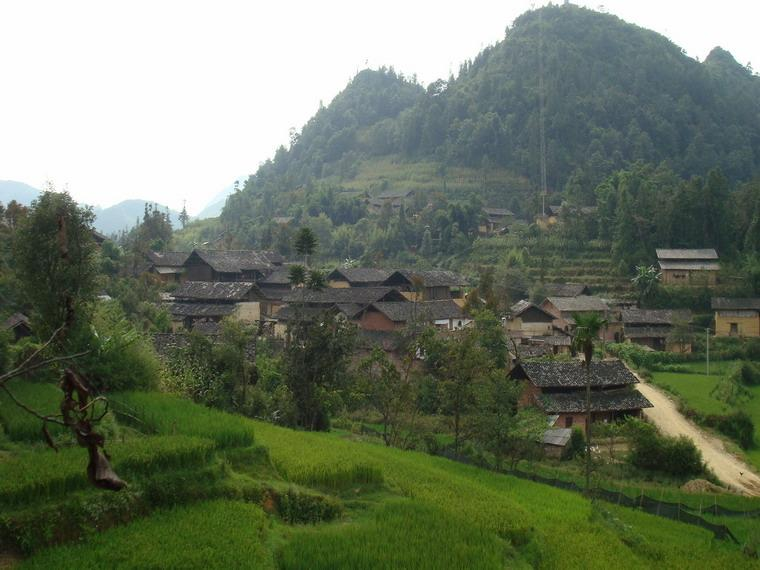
(43, 473)
(217, 534)
(534, 518)
(694, 389)
(401, 509)
(41, 397)
(168, 415)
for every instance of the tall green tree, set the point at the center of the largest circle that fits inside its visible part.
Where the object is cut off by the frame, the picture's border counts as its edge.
(54, 256)
(305, 244)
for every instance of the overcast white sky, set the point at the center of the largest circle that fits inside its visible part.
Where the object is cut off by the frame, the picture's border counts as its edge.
(170, 101)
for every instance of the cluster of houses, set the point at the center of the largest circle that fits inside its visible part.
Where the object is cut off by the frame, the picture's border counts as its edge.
(255, 287)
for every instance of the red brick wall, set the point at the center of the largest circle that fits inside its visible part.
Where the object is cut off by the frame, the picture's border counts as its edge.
(375, 321)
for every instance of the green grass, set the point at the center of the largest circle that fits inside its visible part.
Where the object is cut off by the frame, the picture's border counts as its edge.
(399, 534)
(550, 528)
(217, 534)
(169, 415)
(18, 424)
(694, 389)
(43, 473)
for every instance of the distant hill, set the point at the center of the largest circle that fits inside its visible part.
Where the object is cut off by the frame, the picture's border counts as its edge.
(19, 191)
(215, 206)
(124, 215)
(615, 94)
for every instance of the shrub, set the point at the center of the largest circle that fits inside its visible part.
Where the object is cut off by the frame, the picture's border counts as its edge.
(298, 507)
(738, 426)
(750, 374)
(676, 456)
(576, 445)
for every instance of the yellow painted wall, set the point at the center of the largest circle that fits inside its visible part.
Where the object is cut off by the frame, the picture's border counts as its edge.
(338, 284)
(747, 326)
(248, 312)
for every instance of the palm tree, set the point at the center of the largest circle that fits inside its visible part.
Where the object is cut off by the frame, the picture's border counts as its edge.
(587, 328)
(646, 280)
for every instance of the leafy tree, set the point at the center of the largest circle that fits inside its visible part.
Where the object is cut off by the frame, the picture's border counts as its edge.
(184, 217)
(390, 391)
(55, 261)
(316, 368)
(305, 244)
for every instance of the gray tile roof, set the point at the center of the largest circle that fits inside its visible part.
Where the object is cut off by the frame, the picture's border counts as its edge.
(582, 303)
(237, 261)
(167, 258)
(635, 316)
(278, 277)
(686, 254)
(521, 306)
(216, 290)
(565, 289)
(557, 436)
(201, 309)
(429, 278)
(360, 275)
(689, 265)
(729, 304)
(424, 311)
(573, 374)
(15, 320)
(330, 295)
(601, 401)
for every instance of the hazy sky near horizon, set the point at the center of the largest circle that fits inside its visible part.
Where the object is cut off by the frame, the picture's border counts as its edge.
(173, 100)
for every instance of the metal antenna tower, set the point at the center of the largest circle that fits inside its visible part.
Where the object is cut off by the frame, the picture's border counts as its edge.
(541, 112)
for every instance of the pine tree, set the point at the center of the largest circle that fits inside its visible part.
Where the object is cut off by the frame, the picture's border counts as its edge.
(184, 218)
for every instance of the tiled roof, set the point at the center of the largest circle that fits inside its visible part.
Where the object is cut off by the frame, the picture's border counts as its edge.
(578, 304)
(521, 306)
(278, 277)
(15, 320)
(497, 212)
(201, 309)
(565, 289)
(216, 291)
(689, 265)
(329, 295)
(601, 401)
(686, 254)
(557, 436)
(634, 316)
(425, 311)
(729, 304)
(360, 275)
(573, 374)
(168, 258)
(237, 261)
(429, 278)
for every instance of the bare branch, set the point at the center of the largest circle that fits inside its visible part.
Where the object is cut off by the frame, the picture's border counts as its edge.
(19, 371)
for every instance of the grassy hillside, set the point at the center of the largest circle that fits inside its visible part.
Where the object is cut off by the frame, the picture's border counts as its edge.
(219, 502)
(694, 389)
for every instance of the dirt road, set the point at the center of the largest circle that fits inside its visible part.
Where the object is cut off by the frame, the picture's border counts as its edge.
(730, 470)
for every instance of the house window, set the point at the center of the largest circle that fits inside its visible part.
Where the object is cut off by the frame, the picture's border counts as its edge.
(734, 330)
(569, 421)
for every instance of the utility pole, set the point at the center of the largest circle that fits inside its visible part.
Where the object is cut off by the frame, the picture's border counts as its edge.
(707, 334)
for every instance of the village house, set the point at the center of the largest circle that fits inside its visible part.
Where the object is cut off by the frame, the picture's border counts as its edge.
(736, 317)
(565, 289)
(198, 301)
(527, 319)
(389, 316)
(274, 287)
(559, 390)
(565, 308)
(427, 285)
(357, 277)
(340, 301)
(654, 328)
(230, 265)
(167, 266)
(495, 221)
(18, 324)
(393, 198)
(688, 266)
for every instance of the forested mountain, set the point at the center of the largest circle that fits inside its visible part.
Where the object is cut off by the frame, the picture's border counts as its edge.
(18, 191)
(127, 214)
(615, 94)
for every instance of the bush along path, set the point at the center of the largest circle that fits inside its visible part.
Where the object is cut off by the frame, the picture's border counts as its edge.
(732, 471)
